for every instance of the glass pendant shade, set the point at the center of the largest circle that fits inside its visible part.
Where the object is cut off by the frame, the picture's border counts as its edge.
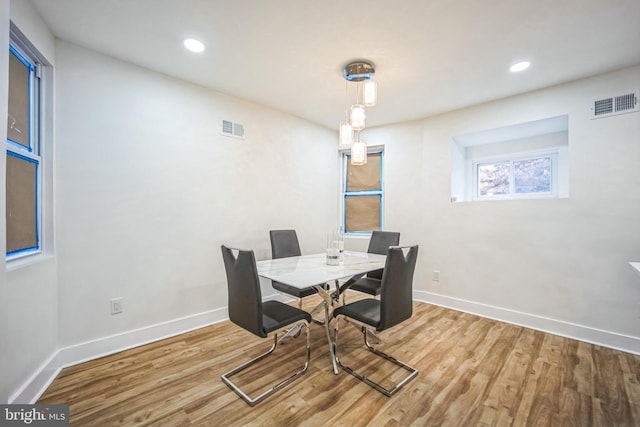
(357, 117)
(359, 74)
(346, 135)
(370, 93)
(359, 153)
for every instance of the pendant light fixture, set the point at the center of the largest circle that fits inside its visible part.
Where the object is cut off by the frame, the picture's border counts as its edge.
(357, 116)
(346, 134)
(361, 74)
(359, 153)
(370, 93)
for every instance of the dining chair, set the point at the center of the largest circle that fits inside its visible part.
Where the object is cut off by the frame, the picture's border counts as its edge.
(394, 307)
(370, 284)
(284, 243)
(247, 310)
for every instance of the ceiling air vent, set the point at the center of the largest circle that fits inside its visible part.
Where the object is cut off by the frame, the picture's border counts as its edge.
(234, 130)
(612, 105)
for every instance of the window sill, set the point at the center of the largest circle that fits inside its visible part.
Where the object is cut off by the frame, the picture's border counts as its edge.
(28, 261)
(516, 197)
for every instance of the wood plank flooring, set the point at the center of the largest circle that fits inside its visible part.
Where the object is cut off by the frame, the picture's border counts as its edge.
(473, 372)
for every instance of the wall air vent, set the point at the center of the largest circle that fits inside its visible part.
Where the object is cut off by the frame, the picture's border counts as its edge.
(234, 130)
(613, 105)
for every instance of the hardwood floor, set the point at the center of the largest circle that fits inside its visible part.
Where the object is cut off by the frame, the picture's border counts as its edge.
(473, 372)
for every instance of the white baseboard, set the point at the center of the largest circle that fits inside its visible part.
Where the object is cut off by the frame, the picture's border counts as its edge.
(626, 343)
(33, 388)
(105, 346)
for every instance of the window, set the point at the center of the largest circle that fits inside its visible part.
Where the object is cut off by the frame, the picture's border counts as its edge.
(527, 160)
(23, 199)
(362, 194)
(515, 177)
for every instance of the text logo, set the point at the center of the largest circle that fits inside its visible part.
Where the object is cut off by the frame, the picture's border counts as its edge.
(34, 415)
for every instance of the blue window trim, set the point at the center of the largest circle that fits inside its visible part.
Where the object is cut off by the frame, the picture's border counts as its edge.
(32, 152)
(346, 194)
(18, 146)
(37, 225)
(31, 68)
(22, 59)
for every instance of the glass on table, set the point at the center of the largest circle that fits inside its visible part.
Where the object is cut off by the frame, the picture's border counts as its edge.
(335, 247)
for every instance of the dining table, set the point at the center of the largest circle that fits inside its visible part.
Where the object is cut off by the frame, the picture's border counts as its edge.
(314, 271)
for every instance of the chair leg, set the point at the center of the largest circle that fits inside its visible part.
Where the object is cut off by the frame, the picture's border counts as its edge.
(253, 401)
(292, 336)
(388, 392)
(371, 333)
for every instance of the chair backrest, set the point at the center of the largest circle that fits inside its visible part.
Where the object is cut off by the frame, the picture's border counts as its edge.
(379, 243)
(396, 299)
(243, 284)
(284, 243)
(381, 240)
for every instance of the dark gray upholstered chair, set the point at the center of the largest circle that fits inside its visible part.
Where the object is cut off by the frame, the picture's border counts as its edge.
(394, 307)
(247, 310)
(378, 244)
(284, 243)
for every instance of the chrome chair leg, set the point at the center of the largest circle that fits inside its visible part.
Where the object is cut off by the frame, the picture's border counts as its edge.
(253, 401)
(371, 333)
(386, 391)
(291, 333)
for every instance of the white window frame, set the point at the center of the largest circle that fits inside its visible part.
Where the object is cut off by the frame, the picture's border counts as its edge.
(512, 141)
(512, 195)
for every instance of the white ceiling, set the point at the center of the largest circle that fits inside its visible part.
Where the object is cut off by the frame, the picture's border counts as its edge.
(431, 56)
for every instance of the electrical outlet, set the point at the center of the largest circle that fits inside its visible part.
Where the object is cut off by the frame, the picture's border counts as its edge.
(436, 276)
(116, 306)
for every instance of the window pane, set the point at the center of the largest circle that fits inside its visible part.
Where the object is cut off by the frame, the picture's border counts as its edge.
(493, 178)
(22, 230)
(364, 177)
(362, 213)
(18, 129)
(532, 175)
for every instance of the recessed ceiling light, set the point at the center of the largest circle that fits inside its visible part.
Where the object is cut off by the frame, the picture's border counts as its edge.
(193, 45)
(520, 66)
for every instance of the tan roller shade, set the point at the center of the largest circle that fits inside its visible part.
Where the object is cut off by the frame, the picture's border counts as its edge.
(362, 213)
(21, 204)
(364, 177)
(18, 120)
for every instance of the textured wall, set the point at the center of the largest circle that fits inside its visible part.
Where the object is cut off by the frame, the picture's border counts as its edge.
(147, 191)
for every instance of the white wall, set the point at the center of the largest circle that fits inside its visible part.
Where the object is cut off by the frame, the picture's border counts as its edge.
(560, 264)
(31, 290)
(147, 191)
(402, 157)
